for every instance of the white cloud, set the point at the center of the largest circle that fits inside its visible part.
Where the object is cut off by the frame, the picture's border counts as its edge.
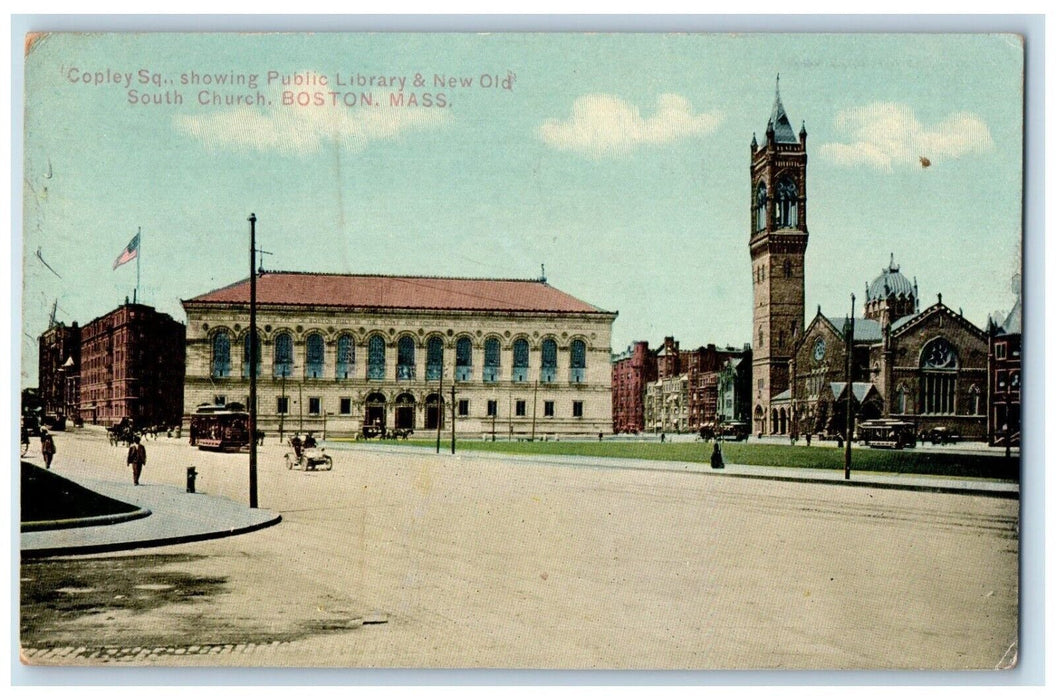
(605, 125)
(886, 135)
(293, 129)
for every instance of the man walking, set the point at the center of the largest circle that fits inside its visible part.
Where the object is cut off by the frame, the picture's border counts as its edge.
(47, 447)
(137, 457)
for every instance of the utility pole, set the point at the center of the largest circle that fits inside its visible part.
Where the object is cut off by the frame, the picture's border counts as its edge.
(439, 409)
(850, 394)
(285, 405)
(494, 415)
(535, 402)
(252, 362)
(452, 417)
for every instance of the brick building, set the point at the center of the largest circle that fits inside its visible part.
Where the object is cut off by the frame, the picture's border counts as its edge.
(59, 364)
(632, 371)
(1006, 367)
(348, 351)
(132, 366)
(685, 395)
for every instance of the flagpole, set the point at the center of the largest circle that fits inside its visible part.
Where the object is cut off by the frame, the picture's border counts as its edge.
(139, 254)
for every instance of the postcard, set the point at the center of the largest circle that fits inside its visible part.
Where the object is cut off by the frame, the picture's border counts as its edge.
(522, 350)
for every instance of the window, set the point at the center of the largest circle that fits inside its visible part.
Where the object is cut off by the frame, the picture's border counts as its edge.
(245, 356)
(999, 351)
(493, 408)
(346, 357)
(787, 212)
(548, 409)
(376, 357)
(405, 358)
(221, 355)
(463, 407)
(787, 267)
(463, 359)
(520, 360)
(938, 382)
(313, 405)
(434, 358)
(548, 373)
(760, 207)
(282, 404)
(492, 361)
(578, 361)
(346, 406)
(520, 408)
(577, 409)
(313, 356)
(283, 355)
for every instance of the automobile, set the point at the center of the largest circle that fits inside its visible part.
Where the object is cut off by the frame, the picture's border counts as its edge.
(734, 430)
(939, 435)
(310, 459)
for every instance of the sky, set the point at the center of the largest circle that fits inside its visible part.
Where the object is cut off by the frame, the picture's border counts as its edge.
(618, 161)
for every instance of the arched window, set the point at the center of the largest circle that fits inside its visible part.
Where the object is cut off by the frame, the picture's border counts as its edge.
(221, 354)
(760, 338)
(245, 356)
(434, 358)
(787, 267)
(405, 358)
(346, 356)
(492, 360)
(938, 380)
(463, 359)
(975, 400)
(901, 399)
(787, 212)
(520, 360)
(376, 357)
(313, 356)
(760, 207)
(283, 355)
(549, 366)
(577, 351)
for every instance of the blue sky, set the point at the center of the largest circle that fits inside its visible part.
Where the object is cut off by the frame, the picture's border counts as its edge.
(620, 161)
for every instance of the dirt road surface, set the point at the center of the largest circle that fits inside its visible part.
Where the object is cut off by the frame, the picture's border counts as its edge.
(407, 559)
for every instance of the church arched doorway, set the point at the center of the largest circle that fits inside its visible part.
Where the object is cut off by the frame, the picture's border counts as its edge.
(405, 412)
(374, 415)
(434, 416)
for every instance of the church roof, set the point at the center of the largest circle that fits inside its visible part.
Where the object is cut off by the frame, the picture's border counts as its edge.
(395, 292)
(1013, 324)
(890, 283)
(865, 329)
(783, 132)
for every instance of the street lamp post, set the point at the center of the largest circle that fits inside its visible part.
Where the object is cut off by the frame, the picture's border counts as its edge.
(850, 394)
(252, 363)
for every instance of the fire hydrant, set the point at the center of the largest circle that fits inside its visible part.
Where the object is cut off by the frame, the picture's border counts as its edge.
(192, 474)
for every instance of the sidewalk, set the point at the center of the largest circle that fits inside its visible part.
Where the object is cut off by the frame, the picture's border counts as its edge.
(175, 517)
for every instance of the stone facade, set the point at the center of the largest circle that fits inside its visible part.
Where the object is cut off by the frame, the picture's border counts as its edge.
(778, 244)
(1006, 369)
(330, 364)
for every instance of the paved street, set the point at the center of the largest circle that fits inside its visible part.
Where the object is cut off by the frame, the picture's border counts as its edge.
(404, 558)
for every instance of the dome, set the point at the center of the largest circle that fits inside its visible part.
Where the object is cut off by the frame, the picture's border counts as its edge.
(890, 283)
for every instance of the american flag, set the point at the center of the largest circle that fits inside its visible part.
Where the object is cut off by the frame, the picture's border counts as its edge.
(129, 253)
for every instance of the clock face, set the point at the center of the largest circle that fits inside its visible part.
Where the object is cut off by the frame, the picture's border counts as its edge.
(819, 348)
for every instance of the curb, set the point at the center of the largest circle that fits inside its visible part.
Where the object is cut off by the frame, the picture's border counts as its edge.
(928, 488)
(92, 521)
(141, 544)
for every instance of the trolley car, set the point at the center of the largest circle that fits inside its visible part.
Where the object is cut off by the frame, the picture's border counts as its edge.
(220, 428)
(887, 433)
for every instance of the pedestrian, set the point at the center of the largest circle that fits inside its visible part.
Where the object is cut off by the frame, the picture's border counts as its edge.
(309, 442)
(716, 457)
(47, 447)
(808, 439)
(663, 437)
(137, 457)
(599, 437)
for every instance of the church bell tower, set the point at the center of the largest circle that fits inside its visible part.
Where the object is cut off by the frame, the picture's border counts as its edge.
(778, 245)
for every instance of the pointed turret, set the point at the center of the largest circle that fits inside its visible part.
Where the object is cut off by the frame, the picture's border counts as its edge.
(779, 124)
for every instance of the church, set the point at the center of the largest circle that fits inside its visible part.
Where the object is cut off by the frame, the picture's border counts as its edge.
(927, 367)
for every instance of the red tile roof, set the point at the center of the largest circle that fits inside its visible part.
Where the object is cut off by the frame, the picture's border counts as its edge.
(389, 292)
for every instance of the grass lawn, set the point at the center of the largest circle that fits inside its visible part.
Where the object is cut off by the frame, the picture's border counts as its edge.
(982, 465)
(48, 496)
